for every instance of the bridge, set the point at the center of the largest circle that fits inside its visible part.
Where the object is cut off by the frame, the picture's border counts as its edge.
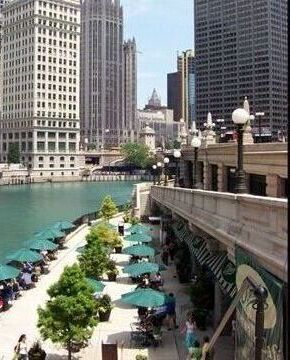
(255, 223)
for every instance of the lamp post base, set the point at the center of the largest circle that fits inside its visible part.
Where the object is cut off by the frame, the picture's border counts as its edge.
(241, 186)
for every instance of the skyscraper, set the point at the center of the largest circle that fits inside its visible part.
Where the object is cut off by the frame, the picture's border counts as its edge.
(101, 72)
(186, 65)
(174, 94)
(241, 50)
(130, 90)
(41, 85)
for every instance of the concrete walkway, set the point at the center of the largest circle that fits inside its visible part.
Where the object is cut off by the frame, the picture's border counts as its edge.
(22, 317)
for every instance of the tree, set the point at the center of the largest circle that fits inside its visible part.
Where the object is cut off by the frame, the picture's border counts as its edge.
(103, 234)
(70, 315)
(136, 154)
(94, 260)
(13, 153)
(108, 208)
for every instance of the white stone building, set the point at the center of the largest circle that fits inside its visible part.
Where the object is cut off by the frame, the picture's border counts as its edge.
(41, 47)
(161, 121)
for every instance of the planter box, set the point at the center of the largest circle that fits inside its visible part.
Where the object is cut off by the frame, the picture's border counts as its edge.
(118, 250)
(104, 316)
(112, 277)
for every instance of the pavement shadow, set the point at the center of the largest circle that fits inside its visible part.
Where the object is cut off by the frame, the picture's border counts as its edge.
(122, 263)
(124, 280)
(123, 339)
(120, 304)
(62, 357)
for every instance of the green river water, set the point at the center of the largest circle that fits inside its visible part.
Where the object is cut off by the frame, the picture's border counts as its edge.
(25, 209)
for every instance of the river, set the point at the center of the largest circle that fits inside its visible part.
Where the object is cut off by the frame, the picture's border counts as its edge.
(25, 209)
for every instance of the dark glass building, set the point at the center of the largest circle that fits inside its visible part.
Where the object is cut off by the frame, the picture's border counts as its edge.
(174, 94)
(241, 50)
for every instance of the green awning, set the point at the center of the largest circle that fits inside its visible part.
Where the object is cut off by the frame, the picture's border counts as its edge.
(226, 278)
(202, 253)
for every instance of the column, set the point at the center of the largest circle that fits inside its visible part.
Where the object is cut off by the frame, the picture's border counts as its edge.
(218, 300)
(272, 188)
(222, 177)
(46, 142)
(206, 176)
(56, 142)
(66, 143)
(34, 134)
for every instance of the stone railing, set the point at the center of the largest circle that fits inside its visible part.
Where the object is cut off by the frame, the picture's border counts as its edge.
(258, 224)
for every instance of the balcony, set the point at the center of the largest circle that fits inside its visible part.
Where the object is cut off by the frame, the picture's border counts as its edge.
(258, 224)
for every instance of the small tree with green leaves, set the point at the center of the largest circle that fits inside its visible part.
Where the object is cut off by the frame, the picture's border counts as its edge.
(70, 315)
(108, 208)
(13, 154)
(103, 234)
(94, 260)
(136, 154)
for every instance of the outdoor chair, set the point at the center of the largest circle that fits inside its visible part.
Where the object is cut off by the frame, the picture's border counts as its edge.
(137, 337)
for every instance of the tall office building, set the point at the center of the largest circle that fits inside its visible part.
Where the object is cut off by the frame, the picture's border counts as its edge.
(174, 94)
(41, 85)
(181, 88)
(130, 91)
(186, 65)
(101, 72)
(241, 50)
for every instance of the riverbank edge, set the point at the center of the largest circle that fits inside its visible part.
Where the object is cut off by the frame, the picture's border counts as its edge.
(68, 179)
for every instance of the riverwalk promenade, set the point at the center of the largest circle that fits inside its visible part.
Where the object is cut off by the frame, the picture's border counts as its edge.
(22, 317)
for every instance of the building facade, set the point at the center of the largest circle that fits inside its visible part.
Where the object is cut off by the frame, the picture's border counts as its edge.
(40, 51)
(161, 121)
(241, 50)
(174, 94)
(101, 72)
(130, 90)
(186, 66)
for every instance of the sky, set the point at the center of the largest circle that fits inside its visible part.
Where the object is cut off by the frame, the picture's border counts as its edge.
(161, 28)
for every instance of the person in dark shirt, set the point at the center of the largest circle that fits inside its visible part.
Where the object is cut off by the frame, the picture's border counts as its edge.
(170, 311)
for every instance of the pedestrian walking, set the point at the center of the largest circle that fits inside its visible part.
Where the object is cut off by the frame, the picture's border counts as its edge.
(20, 350)
(206, 354)
(190, 336)
(170, 311)
(196, 351)
(165, 255)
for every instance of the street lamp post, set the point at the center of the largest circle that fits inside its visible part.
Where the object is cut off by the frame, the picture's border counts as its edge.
(219, 122)
(166, 162)
(154, 167)
(240, 118)
(260, 304)
(177, 155)
(259, 115)
(195, 143)
(159, 170)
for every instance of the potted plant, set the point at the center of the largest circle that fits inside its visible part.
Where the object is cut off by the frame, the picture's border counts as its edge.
(104, 306)
(118, 244)
(141, 357)
(112, 270)
(36, 352)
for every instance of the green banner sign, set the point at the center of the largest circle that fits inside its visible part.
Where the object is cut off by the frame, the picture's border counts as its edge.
(247, 266)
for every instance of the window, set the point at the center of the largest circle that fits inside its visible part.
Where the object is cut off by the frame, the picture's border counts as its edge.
(51, 158)
(72, 158)
(40, 158)
(51, 165)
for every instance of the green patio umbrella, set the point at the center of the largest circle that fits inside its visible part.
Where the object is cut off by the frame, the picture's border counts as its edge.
(40, 244)
(140, 229)
(8, 272)
(144, 238)
(144, 297)
(141, 268)
(63, 225)
(24, 255)
(139, 250)
(50, 234)
(98, 286)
